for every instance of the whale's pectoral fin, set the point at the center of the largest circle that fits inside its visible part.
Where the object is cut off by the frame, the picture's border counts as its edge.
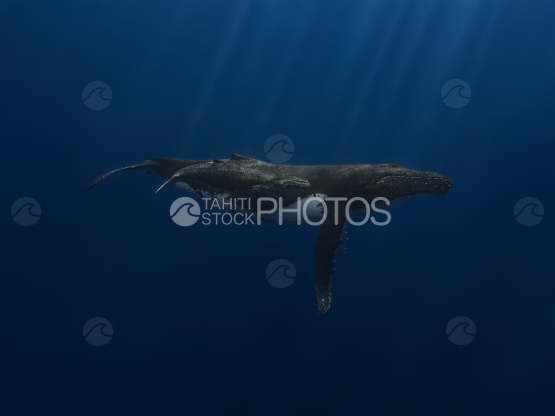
(327, 243)
(170, 183)
(342, 249)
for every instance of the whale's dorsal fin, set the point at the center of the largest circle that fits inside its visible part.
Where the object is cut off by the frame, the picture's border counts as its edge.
(328, 240)
(235, 156)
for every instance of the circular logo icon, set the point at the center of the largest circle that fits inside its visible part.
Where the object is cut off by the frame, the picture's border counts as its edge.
(279, 148)
(26, 211)
(456, 93)
(461, 330)
(97, 95)
(529, 211)
(281, 273)
(98, 331)
(185, 211)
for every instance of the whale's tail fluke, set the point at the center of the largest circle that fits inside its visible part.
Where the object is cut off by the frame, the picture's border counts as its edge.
(143, 165)
(161, 166)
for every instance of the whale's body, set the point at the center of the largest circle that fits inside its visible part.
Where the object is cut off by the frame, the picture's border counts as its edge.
(243, 177)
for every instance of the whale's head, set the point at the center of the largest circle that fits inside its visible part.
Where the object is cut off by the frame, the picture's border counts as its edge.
(399, 184)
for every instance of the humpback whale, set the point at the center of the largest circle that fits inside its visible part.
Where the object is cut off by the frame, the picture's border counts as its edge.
(243, 177)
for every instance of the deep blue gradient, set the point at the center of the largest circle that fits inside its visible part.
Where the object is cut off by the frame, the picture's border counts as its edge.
(197, 329)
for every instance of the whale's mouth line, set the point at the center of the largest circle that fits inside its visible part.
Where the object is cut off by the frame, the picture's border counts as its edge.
(431, 178)
(420, 185)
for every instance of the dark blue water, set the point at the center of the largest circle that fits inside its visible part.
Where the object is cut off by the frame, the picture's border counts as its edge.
(197, 330)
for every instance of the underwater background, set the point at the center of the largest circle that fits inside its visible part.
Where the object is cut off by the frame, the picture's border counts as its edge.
(197, 329)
